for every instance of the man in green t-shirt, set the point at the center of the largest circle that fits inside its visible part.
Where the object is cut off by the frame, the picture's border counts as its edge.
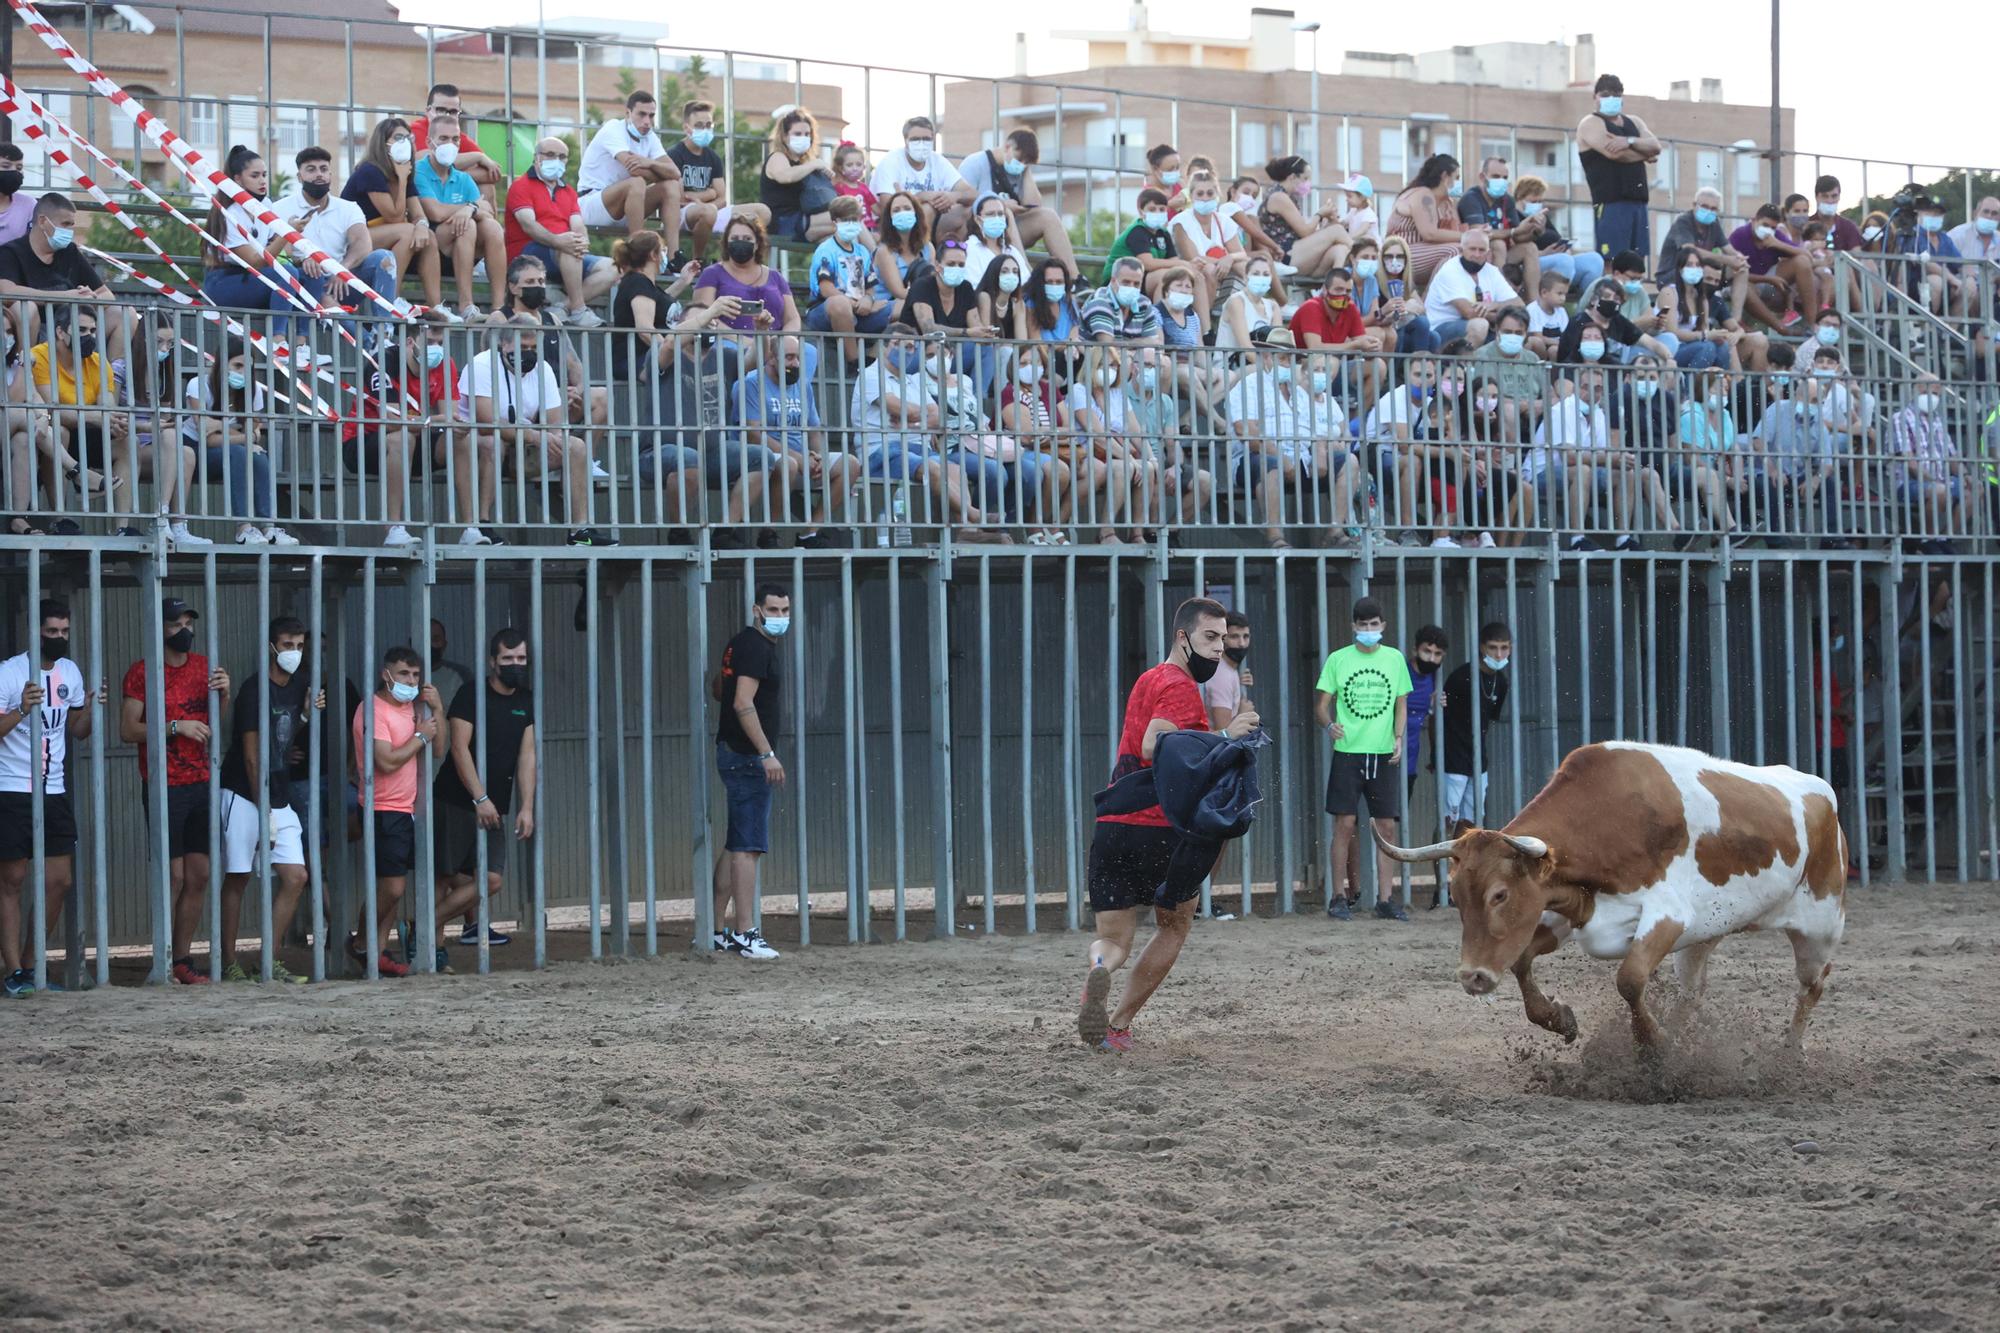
(1363, 701)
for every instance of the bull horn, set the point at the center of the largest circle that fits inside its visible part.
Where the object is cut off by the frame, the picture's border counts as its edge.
(1532, 848)
(1437, 851)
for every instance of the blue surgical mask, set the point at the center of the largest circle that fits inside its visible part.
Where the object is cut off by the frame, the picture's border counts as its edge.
(1497, 188)
(1986, 226)
(1206, 207)
(1705, 216)
(1283, 374)
(433, 355)
(1179, 301)
(1009, 281)
(1932, 221)
(1610, 106)
(1366, 268)
(1127, 296)
(1321, 381)
(701, 138)
(1645, 389)
(1149, 378)
(906, 359)
(1170, 178)
(237, 379)
(61, 238)
(847, 231)
(1054, 291)
(902, 219)
(1419, 392)
(403, 692)
(993, 228)
(951, 275)
(1691, 277)
(1631, 287)
(1368, 638)
(1494, 663)
(1590, 351)
(551, 169)
(1015, 166)
(1259, 284)
(1839, 642)
(1828, 335)
(1512, 343)
(1458, 189)
(1529, 210)
(776, 626)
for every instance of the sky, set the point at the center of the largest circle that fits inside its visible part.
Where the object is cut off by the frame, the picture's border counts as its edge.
(1846, 108)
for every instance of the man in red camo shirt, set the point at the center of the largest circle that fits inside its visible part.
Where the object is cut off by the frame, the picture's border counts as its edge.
(188, 683)
(1334, 323)
(1137, 858)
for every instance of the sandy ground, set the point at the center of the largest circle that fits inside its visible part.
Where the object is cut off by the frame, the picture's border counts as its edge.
(1318, 1131)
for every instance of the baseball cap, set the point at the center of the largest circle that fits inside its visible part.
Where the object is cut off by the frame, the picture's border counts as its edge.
(1359, 184)
(173, 608)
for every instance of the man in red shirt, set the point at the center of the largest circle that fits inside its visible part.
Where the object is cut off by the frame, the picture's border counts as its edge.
(444, 101)
(188, 684)
(545, 219)
(1138, 858)
(404, 425)
(1333, 323)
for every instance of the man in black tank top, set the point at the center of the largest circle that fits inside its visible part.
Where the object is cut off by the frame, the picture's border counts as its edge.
(1617, 152)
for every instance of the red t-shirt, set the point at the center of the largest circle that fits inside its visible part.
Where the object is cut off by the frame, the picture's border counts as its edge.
(420, 135)
(437, 397)
(187, 701)
(1165, 691)
(1332, 326)
(553, 209)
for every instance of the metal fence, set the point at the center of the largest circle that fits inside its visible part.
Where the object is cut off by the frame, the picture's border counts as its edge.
(949, 713)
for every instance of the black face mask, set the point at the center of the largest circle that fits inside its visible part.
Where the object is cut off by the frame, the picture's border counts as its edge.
(1606, 309)
(86, 346)
(1201, 668)
(53, 647)
(1235, 655)
(1427, 668)
(1472, 266)
(10, 182)
(181, 639)
(741, 250)
(791, 374)
(528, 360)
(315, 190)
(514, 676)
(532, 298)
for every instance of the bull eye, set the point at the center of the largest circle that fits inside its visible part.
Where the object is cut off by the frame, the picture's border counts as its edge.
(1499, 896)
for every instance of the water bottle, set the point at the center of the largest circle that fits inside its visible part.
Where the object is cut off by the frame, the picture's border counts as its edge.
(899, 513)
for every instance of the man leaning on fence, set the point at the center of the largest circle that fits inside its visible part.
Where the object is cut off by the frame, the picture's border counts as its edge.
(472, 801)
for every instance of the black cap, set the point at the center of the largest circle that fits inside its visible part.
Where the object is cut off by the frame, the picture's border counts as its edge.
(173, 608)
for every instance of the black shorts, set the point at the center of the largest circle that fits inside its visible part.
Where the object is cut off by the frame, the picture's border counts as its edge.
(187, 820)
(366, 447)
(17, 825)
(1132, 865)
(395, 843)
(1370, 777)
(455, 842)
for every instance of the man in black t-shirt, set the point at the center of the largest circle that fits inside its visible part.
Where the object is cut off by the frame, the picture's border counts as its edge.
(752, 697)
(1466, 710)
(46, 263)
(472, 799)
(265, 747)
(705, 183)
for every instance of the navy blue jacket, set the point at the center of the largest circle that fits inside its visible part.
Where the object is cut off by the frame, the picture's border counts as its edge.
(1204, 782)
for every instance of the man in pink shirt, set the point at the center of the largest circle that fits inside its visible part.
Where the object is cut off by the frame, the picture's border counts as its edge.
(406, 714)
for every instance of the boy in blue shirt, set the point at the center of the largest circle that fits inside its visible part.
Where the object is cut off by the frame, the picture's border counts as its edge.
(776, 409)
(842, 276)
(467, 230)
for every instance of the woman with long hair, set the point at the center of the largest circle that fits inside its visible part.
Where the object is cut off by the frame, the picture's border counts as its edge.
(1313, 242)
(234, 230)
(902, 249)
(380, 185)
(1426, 219)
(146, 386)
(226, 424)
(796, 184)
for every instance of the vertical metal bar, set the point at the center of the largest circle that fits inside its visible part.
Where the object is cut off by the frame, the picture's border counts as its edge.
(1681, 664)
(268, 762)
(594, 787)
(1583, 646)
(898, 819)
(1927, 715)
(618, 826)
(1962, 773)
(986, 737)
(331, 754)
(1323, 743)
(1618, 726)
(100, 851)
(695, 614)
(152, 584)
(1248, 842)
(364, 760)
(1073, 914)
(1716, 577)
(1545, 588)
(648, 799)
(1288, 825)
(423, 949)
(482, 904)
(799, 729)
(856, 770)
(213, 746)
(1991, 804)
(1513, 699)
(38, 774)
(1755, 570)
(1028, 740)
(944, 896)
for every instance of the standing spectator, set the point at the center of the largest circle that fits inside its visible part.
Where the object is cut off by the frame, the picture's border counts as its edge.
(1616, 151)
(1225, 691)
(398, 751)
(17, 206)
(1005, 170)
(1554, 253)
(1464, 298)
(1425, 217)
(1841, 232)
(1934, 483)
(545, 221)
(1362, 701)
(1468, 711)
(188, 682)
(1513, 234)
(795, 185)
(1778, 261)
(1119, 311)
(1426, 660)
(627, 176)
(56, 687)
(380, 187)
(459, 215)
(265, 749)
(750, 689)
(705, 209)
(919, 169)
(469, 803)
(337, 227)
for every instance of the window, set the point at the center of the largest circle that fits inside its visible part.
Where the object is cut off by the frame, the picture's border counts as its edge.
(1391, 160)
(1253, 146)
(1538, 154)
(1708, 168)
(292, 131)
(1499, 148)
(202, 124)
(1445, 142)
(1750, 175)
(1112, 142)
(1353, 150)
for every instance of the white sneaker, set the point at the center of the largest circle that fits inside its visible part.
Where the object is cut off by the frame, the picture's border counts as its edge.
(179, 535)
(474, 537)
(750, 944)
(598, 476)
(277, 536)
(1486, 542)
(249, 536)
(1284, 270)
(585, 318)
(398, 535)
(450, 315)
(1443, 544)
(471, 313)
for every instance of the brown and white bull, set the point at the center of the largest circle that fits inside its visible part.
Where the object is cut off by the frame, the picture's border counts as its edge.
(1643, 851)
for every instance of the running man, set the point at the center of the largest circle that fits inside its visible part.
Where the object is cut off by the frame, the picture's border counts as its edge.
(1137, 858)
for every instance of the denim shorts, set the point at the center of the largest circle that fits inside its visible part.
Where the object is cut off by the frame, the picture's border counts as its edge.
(749, 801)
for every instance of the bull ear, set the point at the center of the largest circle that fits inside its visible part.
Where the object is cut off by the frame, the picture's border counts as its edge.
(1437, 851)
(1532, 848)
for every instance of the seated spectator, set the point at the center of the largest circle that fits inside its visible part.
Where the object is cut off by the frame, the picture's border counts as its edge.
(1004, 170)
(1464, 297)
(1154, 421)
(627, 177)
(1842, 232)
(336, 226)
(921, 170)
(1271, 446)
(460, 218)
(1333, 324)
(1310, 244)
(1334, 456)
(28, 430)
(235, 229)
(1210, 245)
(443, 100)
(705, 206)
(1513, 234)
(902, 248)
(776, 408)
(585, 397)
(1645, 422)
(1517, 373)
(46, 261)
(1708, 430)
(1553, 254)
(991, 236)
(1498, 498)
(1146, 242)
(1601, 333)
(1879, 252)
(1119, 311)
(17, 206)
(1357, 210)
(850, 178)
(1033, 412)
(1053, 314)
(1402, 328)
(1932, 482)
(148, 387)
(545, 221)
(898, 418)
(1399, 429)
(1240, 207)
(1461, 492)
(1180, 314)
(1003, 313)
(1628, 270)
(1573, 464)
(842, 276)
(404, 427)
(1548, 317)
(1688, 304)
(71, 376)
(510, 398)
(795, 184)
(1848, 410)
(228, 423)
(1977, 238)
(1799, 464)
(1163, 173)
(1700, 229)
(1944, 290)
(1426, 217)
(943, 301)
(766, 298)
(1258, 305)
(380, 187)
(1132, 488)
(1814, 236)
(1778, 263)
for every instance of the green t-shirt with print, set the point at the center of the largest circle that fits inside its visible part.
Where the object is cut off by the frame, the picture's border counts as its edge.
(1365, 687)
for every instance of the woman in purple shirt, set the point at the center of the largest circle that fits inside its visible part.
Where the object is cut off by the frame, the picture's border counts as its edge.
(767, 297)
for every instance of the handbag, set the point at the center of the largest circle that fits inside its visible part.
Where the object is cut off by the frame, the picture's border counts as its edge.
(815, 193)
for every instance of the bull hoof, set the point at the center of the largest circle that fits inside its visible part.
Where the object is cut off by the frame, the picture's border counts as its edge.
(1566, 1023)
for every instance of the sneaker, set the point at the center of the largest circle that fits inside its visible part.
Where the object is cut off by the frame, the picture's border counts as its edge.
(1444, 544)
(1486, 542)
(178, 534)
(1118, 1041)
(585, 318)
(494, 939)
(1626, 543)
(557, 314)
(389, 967)
(186, 975)
(723, 941)
(1791, 317)
(751, 945)
(20, 982)
(277, 536)
(474, 537)
(591, 537)
(250, 536)
(450, 316)
(442, 960)
(598, 476)
(823, 541)
(235, 972)
(398, 535)
(1093, 1020)
(1583, 544)
(1341, 910)
(1284, 270)
(1391, 910)
(127, 531)
(471, 313)
(284, 976)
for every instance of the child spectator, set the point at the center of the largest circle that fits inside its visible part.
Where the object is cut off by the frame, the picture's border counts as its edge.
(850, 178)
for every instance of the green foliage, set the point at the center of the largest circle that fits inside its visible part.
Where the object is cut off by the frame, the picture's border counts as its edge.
(1949, 190)
(1093, 233)
(742, 147)
(108, 234)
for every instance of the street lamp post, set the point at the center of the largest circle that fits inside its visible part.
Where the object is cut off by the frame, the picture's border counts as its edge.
(1313, 80)
(541, 70)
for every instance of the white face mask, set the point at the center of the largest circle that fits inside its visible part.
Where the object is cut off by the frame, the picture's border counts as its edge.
(288, 660)
(399, 151)
(446, 154)
(1927, 403)
(800, 144)
(919, 150)
(1028, 373)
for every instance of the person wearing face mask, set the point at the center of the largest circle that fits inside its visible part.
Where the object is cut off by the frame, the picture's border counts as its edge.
(1708, 429)
(1008, 171)
(1700, 230)
(990, 235)
(626, 176)
(1209, 244)
(1362, 702)
(545, 221)
(1155, 398)
(1223, 693)
(1003, 313)
(1946, 291)
(850, 178)
(1842, 233)
(380, 187)
(227, 423)
(1239, 205)
(234, 233)
(1464, 297)
(1781, 276)
(750, 688)
(1180, 310)
(1309, 240)
(1118, 311)
(1520, 374)
(1425, 218)
(842, 275)
(1616, 151)
(47, 260)
(1933, 482)
(474, 791)
(1034, 412)
(336, 227)
(897, 415)
(796, 184)
(705, 206)
(1398, 428)
(1690, 303)
(1601, 333)
(1426, 661)
(510, 398)
(1801, 496)
(266, 743)
(1489, 206)
(17, 206)
(943, 302)
(1271, 444)
(396, 751)
(402, 428)
(1137, 858)
(73, 377)
(776, 409)
(1147, 242)
(460, 217)
(923, 171)
(1471, 703)
(48, 680)
(1572, 464)
(1258, 304)
(191, 691)
(1644, 439)
(1849, 411)
(764, 295)
(444, 99)
(902, 249)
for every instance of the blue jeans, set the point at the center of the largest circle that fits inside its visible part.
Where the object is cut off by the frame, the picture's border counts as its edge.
(234, 288)
(1622, 226)
(591, 263)
(1581, 269)
(987, 482)
(252, 493)
(377, 268)
(1416, 337)
(1699, 355)
(749, 801)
